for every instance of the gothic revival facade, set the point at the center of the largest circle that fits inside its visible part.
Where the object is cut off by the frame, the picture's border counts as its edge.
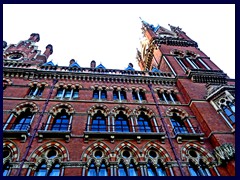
(175, 117)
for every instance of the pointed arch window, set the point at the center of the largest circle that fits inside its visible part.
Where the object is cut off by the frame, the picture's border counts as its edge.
(151, 170)
(201, 170)
(41, 170)
(61, 121)
(98, 122)
(93, 171)
(23, 121)
(6, 169)
(121, 123)
(103, 170)
(160, 169)
(122, 170)
(55, 170)
(178, 125)
(132, 170)
(144, 123)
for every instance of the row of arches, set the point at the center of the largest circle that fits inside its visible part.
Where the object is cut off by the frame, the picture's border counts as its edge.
(98, 159)
(100, 118)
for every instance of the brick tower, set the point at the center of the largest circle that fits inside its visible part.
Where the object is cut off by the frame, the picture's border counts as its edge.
(175, 117)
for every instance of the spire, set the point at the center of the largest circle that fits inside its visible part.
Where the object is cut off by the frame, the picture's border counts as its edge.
(151, 26)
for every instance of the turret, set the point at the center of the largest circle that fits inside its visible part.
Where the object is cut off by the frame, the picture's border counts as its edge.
(93, 64)
(71, 62)
(48, 51)
(4, 44)
(35, 37)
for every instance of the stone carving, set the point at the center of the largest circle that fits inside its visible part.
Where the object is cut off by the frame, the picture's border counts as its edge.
(224, 153)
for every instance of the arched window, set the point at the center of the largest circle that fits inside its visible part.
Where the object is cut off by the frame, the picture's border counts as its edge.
(23, 121)
(121, 123)
(36, 91)
(123, 94)
(61, 121)
(178, 124)
(103, 170)
(6, 169)
(151, 170)
(41, 170)
(122, 170)
(160, 170)
(55, 170)
(98, 122)
(144, 123)
(200, 170)
(92, 170)
(132, 170)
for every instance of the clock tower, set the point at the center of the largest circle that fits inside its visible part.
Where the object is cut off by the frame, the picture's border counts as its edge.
(204, 86)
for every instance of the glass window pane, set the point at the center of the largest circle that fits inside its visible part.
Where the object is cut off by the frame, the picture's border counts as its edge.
(59, 92)
(132, 171)
(103, 170)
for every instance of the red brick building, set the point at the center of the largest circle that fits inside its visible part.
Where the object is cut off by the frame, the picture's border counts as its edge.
(175, 117)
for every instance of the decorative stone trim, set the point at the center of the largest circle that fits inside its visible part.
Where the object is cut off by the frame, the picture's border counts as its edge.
(58, 108)
(23, 106)
(103, 108)
(182, 113)
(201, 153)
(224, 153)
(14, 151)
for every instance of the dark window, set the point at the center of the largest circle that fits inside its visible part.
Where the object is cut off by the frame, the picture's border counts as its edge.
(143, 123)
(123, 95)
(142, 95)
(103, 94)
(23, 121)
(96, 94)
(121, 123)
(6, 169)
(134, 95)
(115, 94)
(98, 122)
(178, 124)
(61, 122)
